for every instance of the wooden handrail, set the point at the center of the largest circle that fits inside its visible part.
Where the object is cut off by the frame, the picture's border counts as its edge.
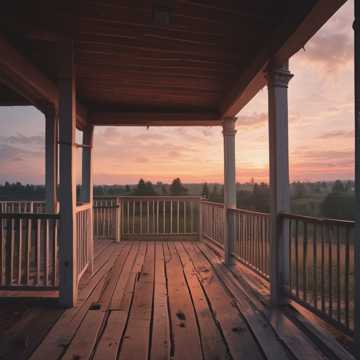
(29, 216)
(317, 219)
(212, 203)
(320, 271)
(23, 201)
(155, 197)
(249, 212)
(83, 207)
(32, 249)
(106, 206)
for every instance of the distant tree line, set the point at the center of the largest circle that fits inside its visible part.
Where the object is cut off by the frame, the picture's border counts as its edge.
(176, 188)
(322, 199)
(18, 191)
(340, 202)
(258, 198)
(325, 199)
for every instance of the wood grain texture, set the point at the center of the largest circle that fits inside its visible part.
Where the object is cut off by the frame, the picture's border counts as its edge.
(159, 300)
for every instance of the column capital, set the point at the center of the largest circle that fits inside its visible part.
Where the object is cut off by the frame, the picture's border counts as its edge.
(49, 110)
(229, 126)
(356, 25)
(278, 75)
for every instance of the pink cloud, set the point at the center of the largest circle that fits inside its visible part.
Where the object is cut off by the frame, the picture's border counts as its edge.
(252, 121)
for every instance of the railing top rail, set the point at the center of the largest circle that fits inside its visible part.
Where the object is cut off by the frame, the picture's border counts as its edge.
(317, 219)
(106, 206)
(83, 207)
(212, 203)
(23, 201)
(106, 197)
(152, 197)
(29, 216)
(236, 210)
(249, 212)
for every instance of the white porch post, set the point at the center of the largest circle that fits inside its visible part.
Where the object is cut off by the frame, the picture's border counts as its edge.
(86, 193)
(51, 160)
(278, 79)
(357, 176)
(67, 124)
(229, 186)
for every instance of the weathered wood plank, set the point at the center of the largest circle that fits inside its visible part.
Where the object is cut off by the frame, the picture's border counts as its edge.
(26, 334)
(133, 265)
(213, 344)
(99, 246)
(136, 340)
(112, 278)
(241, 342)
(186, 340)
(101, 262)
(84, 341)
(160, 340)
(292, 337)
(261, 328)
(296, 341)
(111, 337)
(61, 334)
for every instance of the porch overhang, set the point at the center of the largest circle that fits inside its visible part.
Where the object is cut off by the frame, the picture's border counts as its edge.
(204, 65)
(113, 118)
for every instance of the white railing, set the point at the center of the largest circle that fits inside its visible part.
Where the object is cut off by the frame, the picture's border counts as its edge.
(252, 239)
(321, 255)
(212, 216)
(252, 234)
(321, 267)
(29, 248)
(28, 251)
(83, 237)
(160, 216)
(107, 214)
(30, 207)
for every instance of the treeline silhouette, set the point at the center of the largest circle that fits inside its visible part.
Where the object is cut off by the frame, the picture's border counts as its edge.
(323, 199)
(18, 191)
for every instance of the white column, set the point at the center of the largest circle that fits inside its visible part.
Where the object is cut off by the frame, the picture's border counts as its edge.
(229, 186)
(357, 176)
(86, 193)
(278, 79)
(51, 157)
(67, 125)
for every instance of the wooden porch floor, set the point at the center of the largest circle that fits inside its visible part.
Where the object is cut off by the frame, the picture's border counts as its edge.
(156, 300)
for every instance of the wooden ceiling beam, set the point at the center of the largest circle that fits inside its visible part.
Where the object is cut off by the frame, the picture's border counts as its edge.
(164, 47)
(20, 75)
(130, 29)
(197, 73)
(251, 15)
(119, 92)
(150, 68)
(287, 40)
(100, 118)
(186, 11)
(114, 59)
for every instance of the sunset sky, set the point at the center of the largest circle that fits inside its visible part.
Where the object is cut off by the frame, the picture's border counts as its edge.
(320, 129)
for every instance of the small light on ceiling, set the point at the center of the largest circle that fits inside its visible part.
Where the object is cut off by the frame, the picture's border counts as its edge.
(164, 12)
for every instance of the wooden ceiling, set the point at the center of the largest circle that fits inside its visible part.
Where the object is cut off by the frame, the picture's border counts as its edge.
(201, 61)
